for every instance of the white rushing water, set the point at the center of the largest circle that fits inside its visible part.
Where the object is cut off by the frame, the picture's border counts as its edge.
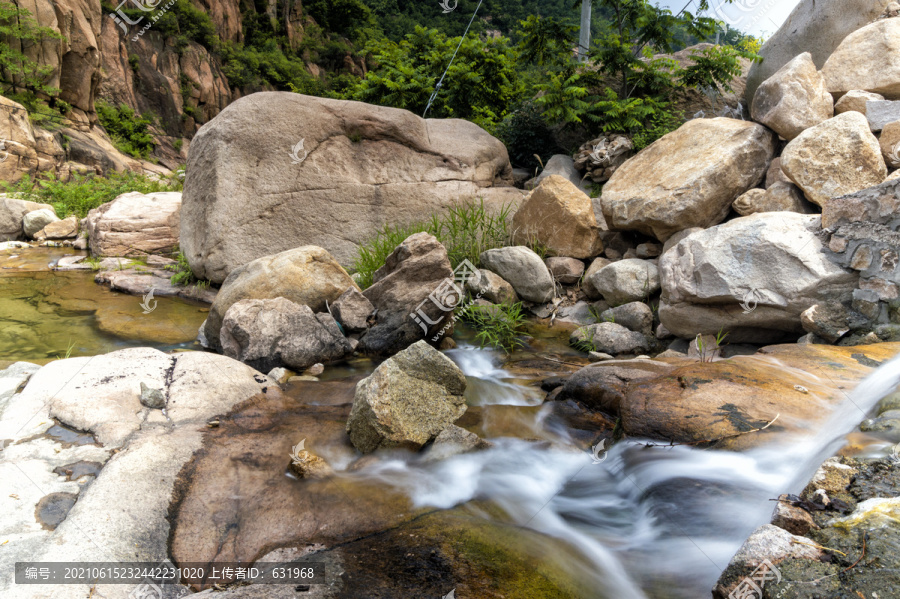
(660, 522)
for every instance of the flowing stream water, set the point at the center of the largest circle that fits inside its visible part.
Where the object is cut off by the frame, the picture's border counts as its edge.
(655, 522)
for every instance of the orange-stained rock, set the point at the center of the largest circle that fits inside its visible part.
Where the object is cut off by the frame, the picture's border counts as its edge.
(710, 400)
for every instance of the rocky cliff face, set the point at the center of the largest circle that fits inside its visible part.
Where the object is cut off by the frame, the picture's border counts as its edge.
(100, 59)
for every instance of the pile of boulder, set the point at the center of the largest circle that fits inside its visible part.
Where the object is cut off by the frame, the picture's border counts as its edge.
(782, 225)
(22, 219)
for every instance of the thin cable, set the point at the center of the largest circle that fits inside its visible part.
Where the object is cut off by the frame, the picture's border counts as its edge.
(437, 87)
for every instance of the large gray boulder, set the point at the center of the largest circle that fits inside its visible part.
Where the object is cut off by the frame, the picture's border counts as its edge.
(12, 212)
(625, 281)
(834, 158)
(407, 401)
(752, 277)
(272, 333)
(814, 26)
(866, 60)
(793, 99)
(609, 338)
(524, 270)
(135, 224)
(38, 219)
(306, 275)
(414, 295)
(277, 170)
(688, 178)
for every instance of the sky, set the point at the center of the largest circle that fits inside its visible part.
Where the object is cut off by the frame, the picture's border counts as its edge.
(757, 17)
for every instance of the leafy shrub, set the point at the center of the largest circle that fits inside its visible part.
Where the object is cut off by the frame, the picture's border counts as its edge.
(128, 130)
(526, 134)
(466, 229)
(85, 192)
(500, 325)
(661, 122)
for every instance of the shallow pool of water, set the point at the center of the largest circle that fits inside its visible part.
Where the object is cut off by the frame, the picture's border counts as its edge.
(47, 315)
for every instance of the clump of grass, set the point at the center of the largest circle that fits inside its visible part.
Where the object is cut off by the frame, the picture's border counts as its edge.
(466, 229)
(86, 192)
(500, 325)
(94, 261)
(183, 273)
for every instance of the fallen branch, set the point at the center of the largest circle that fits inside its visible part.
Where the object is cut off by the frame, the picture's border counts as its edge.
(712, 441)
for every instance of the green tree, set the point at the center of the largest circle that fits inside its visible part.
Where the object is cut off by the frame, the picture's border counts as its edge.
(19, 32)
(544, 40)
(481, 85)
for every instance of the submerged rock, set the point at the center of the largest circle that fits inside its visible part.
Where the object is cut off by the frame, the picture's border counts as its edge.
(407, 401)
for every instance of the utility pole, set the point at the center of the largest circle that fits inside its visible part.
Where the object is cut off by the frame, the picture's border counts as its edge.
(584, 40)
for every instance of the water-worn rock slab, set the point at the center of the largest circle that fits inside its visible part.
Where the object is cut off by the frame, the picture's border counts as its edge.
(865, 60)
(560, 216)
(407, 401)
(751, 277)
(709, 401)
(100, 396)
(135, 224)
(269, 333)
(793, 99)
(413, 281)
(277, 170)
(524, 270)
(688, 178)
(306, 275)
(835, 158)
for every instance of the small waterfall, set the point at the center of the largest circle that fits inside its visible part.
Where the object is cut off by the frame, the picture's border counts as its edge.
(654, 522)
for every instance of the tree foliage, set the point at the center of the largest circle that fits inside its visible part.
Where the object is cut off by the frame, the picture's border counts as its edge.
(19, 34)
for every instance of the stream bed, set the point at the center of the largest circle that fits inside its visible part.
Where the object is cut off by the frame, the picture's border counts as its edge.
(633, 522)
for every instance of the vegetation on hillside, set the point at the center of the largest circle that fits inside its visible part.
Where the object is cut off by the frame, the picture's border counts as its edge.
(84, 192)
(515, 73)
